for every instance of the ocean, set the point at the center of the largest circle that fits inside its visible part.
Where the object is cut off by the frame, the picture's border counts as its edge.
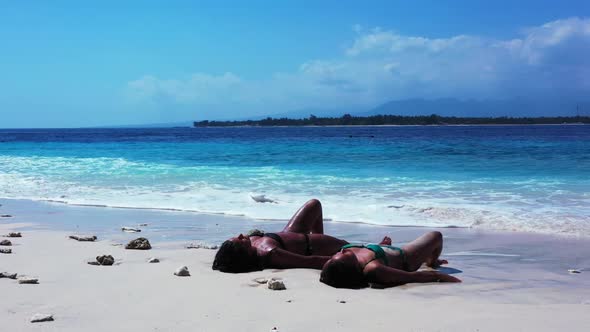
(517, 178)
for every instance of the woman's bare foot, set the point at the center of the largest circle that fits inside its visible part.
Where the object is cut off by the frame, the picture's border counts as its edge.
(386, 241)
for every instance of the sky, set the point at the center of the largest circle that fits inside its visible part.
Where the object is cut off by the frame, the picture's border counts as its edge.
(97, 63)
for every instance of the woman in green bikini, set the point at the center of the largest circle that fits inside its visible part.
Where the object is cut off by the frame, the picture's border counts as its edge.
(356, 266)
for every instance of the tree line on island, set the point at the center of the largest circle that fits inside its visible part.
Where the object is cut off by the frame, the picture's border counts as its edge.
(376, 120)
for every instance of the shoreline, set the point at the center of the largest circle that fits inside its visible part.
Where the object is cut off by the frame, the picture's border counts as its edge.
(344, 126)
(386, 125)
(198, 213)
(510, 281)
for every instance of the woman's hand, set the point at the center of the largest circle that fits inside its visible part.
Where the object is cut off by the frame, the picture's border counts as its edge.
(447, 278)
(440, 277)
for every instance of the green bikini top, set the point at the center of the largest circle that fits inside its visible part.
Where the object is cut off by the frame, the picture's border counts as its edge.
(378, 250)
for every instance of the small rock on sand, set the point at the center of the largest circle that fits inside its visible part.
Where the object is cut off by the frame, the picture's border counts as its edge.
(275, 284)
(38, 318)
(182, 272)
(5, 251)
(14, 235)
(5, 216)
(574, 271)
(130, 229)
(26, 280)
(139, 244)
(106, 260)
(7, 275)
(83, 238)
(5, 243)
(143, 225)
(153, 260)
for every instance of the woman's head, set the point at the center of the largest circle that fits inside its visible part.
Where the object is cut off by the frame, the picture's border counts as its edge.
(236, 255)
(343, 271)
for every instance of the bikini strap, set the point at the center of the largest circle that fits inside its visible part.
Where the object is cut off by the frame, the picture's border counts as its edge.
(402, 255)
(350, 245)
(375, 248)
(276, 237)
(379, 252)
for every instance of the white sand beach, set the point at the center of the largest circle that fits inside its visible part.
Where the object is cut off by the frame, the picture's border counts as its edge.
(510, 289)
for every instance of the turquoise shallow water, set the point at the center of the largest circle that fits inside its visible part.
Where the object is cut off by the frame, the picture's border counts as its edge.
(532, 178)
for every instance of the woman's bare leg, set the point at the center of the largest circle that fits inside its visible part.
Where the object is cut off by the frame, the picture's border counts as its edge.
(425, 249)
(308, 219)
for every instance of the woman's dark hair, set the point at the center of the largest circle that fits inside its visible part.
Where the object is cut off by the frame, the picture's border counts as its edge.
(342, 274)
(233, 258)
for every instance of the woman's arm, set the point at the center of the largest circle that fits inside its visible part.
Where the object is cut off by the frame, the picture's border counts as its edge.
(282, 259)
(388, 276)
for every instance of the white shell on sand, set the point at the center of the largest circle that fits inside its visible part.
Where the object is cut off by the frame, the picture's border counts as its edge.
(574, 271)
(26, 280)
(182, 272)
(201, 246)
(275, 284)
(153, 260)
(38, 318)
(261, 280)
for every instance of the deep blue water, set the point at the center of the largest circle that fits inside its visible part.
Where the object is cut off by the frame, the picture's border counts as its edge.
(500, 177)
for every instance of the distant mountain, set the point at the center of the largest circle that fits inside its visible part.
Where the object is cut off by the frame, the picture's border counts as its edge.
(480, 108)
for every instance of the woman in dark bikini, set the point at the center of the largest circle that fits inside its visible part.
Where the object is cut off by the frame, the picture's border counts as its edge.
(355, 266)
(301, 244)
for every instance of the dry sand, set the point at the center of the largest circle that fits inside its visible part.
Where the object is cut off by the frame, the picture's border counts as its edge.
(134, 295)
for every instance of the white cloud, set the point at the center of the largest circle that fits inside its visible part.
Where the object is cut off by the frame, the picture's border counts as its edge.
(196, 88)
(391, 42)
(379, 65)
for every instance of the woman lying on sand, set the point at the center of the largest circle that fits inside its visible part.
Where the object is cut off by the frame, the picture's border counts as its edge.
(355, 266)
(301, 244)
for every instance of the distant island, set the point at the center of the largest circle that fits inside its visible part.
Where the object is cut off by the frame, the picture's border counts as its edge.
(383, 120)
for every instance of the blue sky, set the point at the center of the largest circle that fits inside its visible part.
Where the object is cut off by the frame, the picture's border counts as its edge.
(76, 63)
